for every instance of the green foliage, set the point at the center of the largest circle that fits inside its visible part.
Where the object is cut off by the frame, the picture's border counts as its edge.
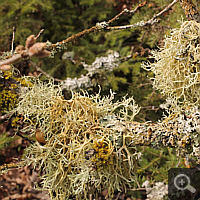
(4, 140)
(25, 16)
(154, 164)
(152, 35)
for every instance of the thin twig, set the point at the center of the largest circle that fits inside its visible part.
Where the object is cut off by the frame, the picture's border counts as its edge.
(39, 34)
(143, 84)
(130, 56)
(151, 108)
(126, 11)
(179, 162)
(25, 138)
(98, 27)
(3, 117)
(152, 21)
(139, 6)
(137, 189)
(13, 39)
(165, 10)
(46, 74)
(118, 196)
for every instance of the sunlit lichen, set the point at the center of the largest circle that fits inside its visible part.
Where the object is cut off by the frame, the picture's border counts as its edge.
(82, 154)
(90, 141)
(177, 64)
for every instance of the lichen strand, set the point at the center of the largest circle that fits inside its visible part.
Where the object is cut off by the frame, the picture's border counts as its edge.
(82, 154)
(177, 64)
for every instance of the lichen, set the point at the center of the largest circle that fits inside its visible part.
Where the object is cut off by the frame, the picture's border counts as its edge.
(8, 96)
(177, 64)
(9, 87)
(81, 154)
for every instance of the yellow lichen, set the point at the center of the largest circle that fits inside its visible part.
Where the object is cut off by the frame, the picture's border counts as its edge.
(8, 96)
(9, 87)
(102, 154)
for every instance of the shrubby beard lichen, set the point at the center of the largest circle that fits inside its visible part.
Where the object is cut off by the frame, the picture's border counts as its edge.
(176, 70)
(177, 64)
(82, 153)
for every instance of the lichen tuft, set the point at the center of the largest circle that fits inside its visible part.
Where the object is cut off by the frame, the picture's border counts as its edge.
(177, 64)
(81, 153)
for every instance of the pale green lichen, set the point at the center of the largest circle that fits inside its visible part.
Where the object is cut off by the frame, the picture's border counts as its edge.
(82, 154)
(177, 64)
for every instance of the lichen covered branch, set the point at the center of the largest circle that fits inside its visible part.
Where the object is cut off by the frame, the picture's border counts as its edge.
(89, 137)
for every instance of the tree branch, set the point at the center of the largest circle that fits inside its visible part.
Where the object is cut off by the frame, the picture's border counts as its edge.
(39, 49)
(31, 49)
(46, 74)
(152, 21)
(99, 26)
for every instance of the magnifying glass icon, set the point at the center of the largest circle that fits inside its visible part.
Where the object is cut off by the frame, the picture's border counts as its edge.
(179, 183)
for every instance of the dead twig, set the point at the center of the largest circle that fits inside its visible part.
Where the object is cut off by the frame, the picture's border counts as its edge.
(39, 34)
(98, 27)
(164, 10)
(130, 56)
(31, 49)
(151, 108)
(46, 74)
(126, 11)
(3, 117)
(152, 21)
(137, 189)
(143, 84)
(25, 138)
(13, 39)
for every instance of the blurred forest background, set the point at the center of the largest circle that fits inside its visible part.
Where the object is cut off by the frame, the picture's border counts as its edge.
(62, 18)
